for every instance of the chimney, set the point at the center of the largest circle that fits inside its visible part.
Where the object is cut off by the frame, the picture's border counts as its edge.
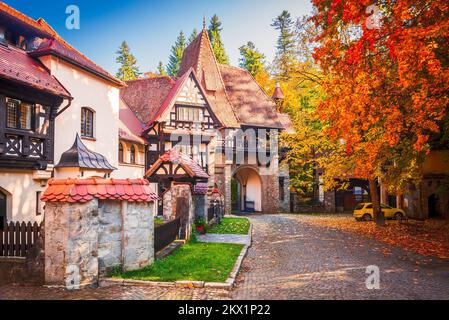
(278, 97)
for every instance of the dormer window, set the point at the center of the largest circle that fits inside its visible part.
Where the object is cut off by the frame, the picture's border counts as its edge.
(87, 123)
(190, 114)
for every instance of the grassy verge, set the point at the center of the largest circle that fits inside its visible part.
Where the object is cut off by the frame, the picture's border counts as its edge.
(195, 261)
(232, 226)
(159, 222)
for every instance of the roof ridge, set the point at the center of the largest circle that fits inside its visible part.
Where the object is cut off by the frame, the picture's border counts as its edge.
(146, 79)
(217, 65)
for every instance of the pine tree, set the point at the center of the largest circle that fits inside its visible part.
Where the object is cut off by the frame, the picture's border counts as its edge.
(193, 36)
(128, 64)
(252, 60)
(176, 55)
(160, 69)
(286, 44)
(215, 39)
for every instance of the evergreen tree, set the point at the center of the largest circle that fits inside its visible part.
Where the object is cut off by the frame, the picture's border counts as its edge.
(215, 39)
(160, 69)
(193, 36)
(176, 55)
(286, 44)
(128, 64)
(252, 60)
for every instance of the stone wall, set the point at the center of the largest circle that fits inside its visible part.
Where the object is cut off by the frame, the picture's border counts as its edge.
(173, 210)
(84, 240)
(284, 173)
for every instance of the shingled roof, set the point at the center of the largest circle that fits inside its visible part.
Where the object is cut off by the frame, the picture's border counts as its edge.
(79, 156)
(200, 56)
(193, 169)
(146, 96)
(232, 93)
(17, 66)
(85, 190)
(251, 104)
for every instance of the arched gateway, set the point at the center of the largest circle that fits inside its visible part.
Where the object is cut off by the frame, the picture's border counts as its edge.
(247, 190)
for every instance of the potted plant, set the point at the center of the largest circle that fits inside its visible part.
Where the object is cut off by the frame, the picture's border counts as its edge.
(200, 225)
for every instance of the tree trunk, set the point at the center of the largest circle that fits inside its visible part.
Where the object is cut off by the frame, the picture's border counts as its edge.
(375, 199)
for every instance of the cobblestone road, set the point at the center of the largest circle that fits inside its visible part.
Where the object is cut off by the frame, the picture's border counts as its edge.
(293, 260)
(290, 259)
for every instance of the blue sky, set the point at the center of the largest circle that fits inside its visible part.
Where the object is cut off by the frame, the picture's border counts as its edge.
(151, 27)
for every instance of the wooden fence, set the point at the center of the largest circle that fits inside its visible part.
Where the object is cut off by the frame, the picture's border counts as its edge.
(166, 234)
(16, 239)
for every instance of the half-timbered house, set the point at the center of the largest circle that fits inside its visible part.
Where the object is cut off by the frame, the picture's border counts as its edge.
(220, 118)
(59, 117)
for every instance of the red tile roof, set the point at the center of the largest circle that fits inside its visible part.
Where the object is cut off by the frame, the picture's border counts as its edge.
(56, 45)
(200, 188)
(85, 190)
(130, 128)
(251, 104)
(193, 169)
(278, 94)
(146, 96)
(62, 49)
(17, 66)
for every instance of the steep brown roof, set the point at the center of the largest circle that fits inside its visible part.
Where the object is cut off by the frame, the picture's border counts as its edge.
(286, 122)
(251, 104)
(199, 56)
(146, 96)
(17, 66)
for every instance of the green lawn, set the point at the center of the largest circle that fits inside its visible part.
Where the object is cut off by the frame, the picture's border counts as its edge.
(195, 261)
(159, 221)
(232, 226)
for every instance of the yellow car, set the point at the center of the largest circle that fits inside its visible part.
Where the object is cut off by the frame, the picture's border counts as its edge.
(364, 211)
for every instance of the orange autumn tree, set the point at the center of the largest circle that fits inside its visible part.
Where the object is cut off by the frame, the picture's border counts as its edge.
(387, 84)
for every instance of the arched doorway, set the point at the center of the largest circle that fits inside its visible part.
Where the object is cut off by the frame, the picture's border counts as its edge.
(247, 190)
(3, 207)
(433, 205)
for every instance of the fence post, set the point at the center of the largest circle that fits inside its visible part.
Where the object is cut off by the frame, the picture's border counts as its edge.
(11, 239)
(23, 243)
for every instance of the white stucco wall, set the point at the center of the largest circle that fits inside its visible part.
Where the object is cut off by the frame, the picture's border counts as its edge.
(20, 189)
(95, 93)
(254, 191)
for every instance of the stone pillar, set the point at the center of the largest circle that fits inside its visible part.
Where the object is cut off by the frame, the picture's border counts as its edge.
(71, 244)
(138, 233)
(284, 173)
(228, 189)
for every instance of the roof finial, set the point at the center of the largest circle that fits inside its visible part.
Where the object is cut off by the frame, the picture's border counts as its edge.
(204, 22)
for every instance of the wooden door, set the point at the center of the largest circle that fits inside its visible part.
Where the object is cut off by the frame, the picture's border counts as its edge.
(182, 212)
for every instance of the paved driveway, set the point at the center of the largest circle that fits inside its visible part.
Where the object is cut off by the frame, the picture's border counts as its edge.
(290, 259)
(293, 260)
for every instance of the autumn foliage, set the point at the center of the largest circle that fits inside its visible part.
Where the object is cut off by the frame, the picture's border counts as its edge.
(387, 84)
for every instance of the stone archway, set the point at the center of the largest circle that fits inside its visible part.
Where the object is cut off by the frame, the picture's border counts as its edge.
(249, 189)
(433, 206)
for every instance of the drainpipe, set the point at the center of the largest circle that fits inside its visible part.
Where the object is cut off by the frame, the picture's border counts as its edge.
(66, 107)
